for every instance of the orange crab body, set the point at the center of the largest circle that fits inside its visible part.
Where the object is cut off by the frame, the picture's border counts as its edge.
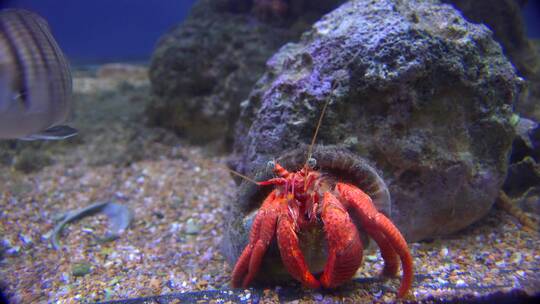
(307, 198)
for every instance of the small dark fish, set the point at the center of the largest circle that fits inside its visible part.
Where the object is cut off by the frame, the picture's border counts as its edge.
(35, 79)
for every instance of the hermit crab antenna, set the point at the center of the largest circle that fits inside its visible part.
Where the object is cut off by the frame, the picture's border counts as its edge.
(242, 175)
(310, 149)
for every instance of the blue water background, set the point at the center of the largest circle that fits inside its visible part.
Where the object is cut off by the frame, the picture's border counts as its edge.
(531, 12)
(94, 31)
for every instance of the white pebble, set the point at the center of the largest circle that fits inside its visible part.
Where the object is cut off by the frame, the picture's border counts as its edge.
(443, 252)
(371, 258)
(174, 227)
(500, 263)
(442, 281)
(516, 258)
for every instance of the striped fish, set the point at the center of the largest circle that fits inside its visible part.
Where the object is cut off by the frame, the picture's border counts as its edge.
(35, 79)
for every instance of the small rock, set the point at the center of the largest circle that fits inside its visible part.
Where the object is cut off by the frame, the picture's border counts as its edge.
(106, 251)
(202, 284)
(108, 294)
(6, 243)
(15, 250)
(443, 252)
(192, 227)
(80, 269)
(174, 227)
(177, 202)
(46, 236)
(114, 281)
(516, 258)
(65, 277)
(87, 230)
(155, 284)
(207, 277)
(350, 141)
(119, 195)
(371, 257)
(442, 281)
(27, 240)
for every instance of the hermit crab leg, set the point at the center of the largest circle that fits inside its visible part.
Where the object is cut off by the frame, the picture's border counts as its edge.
(371, 219)
(391, 259)
(289, 248)
(344, 244)
(262, 232)
(283, 178)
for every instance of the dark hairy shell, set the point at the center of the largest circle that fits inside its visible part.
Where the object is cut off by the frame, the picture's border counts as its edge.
(335, 162)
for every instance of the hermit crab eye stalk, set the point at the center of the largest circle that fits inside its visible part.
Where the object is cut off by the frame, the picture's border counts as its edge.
(270, 165)
(311, 163)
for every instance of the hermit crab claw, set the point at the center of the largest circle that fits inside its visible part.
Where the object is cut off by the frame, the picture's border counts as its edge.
(344, 244)
(274, 215)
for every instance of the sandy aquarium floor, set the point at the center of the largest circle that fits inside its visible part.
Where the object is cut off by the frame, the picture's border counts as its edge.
(177, 193)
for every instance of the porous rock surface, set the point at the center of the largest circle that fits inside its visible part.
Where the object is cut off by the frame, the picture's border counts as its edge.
(414, 88)
(522, 183)
(201, 70)
(505, 19)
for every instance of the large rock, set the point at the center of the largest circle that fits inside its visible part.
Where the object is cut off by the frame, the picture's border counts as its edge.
(202, 69)
(531, 107)
(421, 93)
(505, 19)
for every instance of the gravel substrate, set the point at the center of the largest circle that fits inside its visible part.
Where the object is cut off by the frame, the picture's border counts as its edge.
(177, 193)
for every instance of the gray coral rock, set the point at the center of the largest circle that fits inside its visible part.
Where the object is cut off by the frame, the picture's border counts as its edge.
(522, 183)
(417, 90)
(505, 19)
(201, 70)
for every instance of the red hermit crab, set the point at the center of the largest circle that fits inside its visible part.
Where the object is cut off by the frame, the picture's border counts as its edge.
(316, 211)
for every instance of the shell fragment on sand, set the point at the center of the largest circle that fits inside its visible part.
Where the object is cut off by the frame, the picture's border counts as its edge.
(119, 219)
